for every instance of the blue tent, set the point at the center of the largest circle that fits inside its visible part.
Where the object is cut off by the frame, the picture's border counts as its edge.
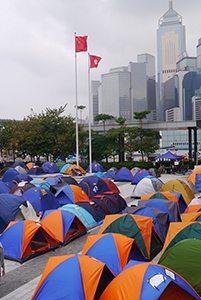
(19, 163)
(81, 213)
(160, 218)
(50, 167)
(95, 167)
(93, 185)
(169, 155)
(41, 199)
(124, 174)
(19, 178)
(140, 175)
(111, 172)
(3, 188)
(165, 205)
(9, 175)
(64, 168)
(9, 207)
(100, 174)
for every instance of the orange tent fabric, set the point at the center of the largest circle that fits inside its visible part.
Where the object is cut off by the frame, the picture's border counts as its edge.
(71, 168)
(190, 217)
(174, 232)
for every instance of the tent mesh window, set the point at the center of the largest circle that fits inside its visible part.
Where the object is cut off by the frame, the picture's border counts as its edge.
(73, 228)
(38, 241)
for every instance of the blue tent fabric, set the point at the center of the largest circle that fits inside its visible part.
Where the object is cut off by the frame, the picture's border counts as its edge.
(63, 169)
(169, 155)
(111, 172)
(140, 175)
(9, 175)
(100, 174)
(97, 211)
(50, 167)
(149, 212)
(36, 170)
(86, 218)
(19, 163)
(93, 185)
(9, 207)
(124, 174)
(19, 178)
(4, 188)
(41, 199)
(165, 205)
(95, 167)
(155, 288)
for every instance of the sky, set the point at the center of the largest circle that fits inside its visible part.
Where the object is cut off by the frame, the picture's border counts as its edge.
(37, 49)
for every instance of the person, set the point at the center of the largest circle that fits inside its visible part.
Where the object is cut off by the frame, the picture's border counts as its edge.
(2, 266)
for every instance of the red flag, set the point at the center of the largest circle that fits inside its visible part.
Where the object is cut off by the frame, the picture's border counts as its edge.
(81, 43)
(94, 61)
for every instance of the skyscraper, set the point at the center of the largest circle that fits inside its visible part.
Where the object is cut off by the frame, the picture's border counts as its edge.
(171, 43)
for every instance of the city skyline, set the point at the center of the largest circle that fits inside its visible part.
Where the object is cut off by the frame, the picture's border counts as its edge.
(37, 53)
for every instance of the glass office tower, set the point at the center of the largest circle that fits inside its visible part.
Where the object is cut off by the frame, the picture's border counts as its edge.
(115, 88)
(170, 44)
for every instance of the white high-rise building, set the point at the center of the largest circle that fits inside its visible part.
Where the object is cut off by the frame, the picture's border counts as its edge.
(171, 43)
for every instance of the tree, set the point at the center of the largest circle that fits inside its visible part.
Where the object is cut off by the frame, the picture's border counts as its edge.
(103, 118)
(141, 115)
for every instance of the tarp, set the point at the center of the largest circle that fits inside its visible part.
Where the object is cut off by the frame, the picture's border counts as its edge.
(86, 279)
(184, 258)
(169, 155)
(140, 228)
(114, 249)
(124, 174)
(147, 185)
(140, 281)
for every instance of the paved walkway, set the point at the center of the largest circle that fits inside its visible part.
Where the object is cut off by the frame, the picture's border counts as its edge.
(21, 280)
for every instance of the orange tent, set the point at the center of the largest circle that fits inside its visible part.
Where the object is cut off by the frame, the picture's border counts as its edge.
(140, 228)
(179, 231)
(70, 169)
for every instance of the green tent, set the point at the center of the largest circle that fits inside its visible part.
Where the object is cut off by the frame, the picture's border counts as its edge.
(185, 259)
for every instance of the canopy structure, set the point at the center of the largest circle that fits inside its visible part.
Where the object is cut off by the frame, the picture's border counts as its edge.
(169, 155)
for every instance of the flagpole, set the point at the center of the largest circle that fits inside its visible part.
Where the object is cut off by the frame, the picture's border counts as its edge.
(90, 152)
(76, 102)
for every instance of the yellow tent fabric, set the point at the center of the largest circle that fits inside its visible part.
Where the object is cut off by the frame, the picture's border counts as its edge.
(179, 186)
